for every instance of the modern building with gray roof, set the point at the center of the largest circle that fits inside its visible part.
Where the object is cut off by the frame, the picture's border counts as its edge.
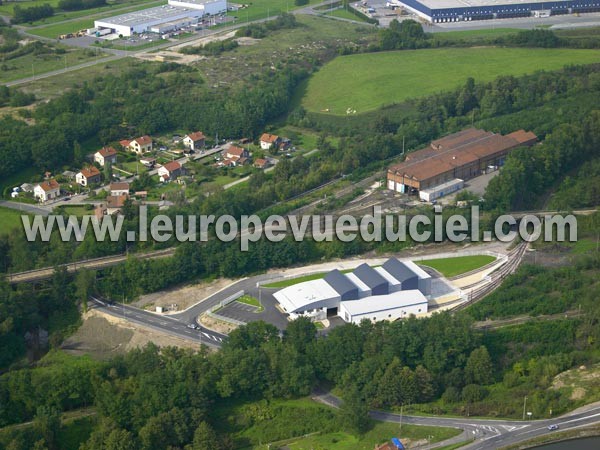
(373, 279)
(390, 292)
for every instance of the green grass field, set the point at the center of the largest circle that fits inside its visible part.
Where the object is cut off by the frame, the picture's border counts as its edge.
(380, 433)
(249, 300)
(259, 9)
(31, 64)
(344, 14)
(10, 219)
(450, 267)
(368, 81)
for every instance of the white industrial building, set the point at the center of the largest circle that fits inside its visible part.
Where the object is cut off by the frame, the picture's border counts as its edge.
(175, 14)
(392, 291)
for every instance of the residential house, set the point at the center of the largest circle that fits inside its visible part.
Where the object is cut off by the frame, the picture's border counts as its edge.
(261, 163)
(119, 189)
(267, 141)
(234, 152)
(106, 155)
(141, 145)
(69, 174)
(88, 175)
(194, 141)
(169, 171)
(114, 205)
(235, 156)
(148, 162)
(46, 190)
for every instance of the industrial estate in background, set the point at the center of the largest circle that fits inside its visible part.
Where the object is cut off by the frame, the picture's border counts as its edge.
(438, 11)
(174, 15)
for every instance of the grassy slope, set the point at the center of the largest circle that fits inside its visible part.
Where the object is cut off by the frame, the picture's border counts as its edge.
(10, 219)
(367, 81)
(450, 267)
(31, 64)
(380, 433)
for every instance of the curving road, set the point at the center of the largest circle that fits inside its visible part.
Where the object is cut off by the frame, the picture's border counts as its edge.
(175, 326)
(486, 433)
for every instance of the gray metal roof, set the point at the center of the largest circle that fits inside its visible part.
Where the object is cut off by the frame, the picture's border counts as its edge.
(369, 276)
(342, 285)
(398, 270)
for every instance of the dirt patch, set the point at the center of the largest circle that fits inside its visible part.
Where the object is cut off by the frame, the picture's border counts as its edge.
(582, 381)
(217, 325)
(184, 296)
(247, 41)
(578, 393)
(103, 336)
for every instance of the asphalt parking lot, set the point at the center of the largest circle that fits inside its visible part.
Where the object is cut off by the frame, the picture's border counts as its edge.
(239, 311)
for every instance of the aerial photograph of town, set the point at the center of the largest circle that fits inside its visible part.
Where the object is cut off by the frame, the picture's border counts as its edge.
(299, 224)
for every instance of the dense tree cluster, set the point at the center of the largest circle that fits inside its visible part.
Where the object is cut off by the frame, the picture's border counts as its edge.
(74, 5)
(31, 13)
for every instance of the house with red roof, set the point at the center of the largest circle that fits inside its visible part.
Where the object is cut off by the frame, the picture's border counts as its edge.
(47, 190)
(194, 141)
(88, 175)
(170, 171)
(106, 155)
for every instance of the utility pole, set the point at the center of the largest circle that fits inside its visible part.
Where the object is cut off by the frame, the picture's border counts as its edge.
(401, 412)
(403, 145)
(524, 406)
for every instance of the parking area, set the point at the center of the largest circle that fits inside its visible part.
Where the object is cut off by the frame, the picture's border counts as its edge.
(239, 311)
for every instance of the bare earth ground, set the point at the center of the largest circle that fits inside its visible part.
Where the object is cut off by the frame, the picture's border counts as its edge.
(102, 336)
(183, 296)
(581, 380)
(216, 325)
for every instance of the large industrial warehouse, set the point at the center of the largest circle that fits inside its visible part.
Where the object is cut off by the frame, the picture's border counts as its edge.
(392, 291)
(163, 18)
(458, 10)
(442, 167)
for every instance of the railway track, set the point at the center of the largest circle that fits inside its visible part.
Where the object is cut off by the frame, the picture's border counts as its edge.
(497, 277)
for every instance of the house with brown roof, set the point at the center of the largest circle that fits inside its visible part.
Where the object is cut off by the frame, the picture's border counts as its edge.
(113, 205)
(194, 141)
(119, 189)
(47, 190)
(459, 156)
(88, 175)
(235, 152)
(106, 155)
(261, 163)
(269, 140)
(170, 171)
(141, 145)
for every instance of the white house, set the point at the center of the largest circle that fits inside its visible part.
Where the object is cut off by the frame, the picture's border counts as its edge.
(106, 155)
(87, 176)
(170, 171)
(194, 141)
(119, 189)
(269, 140)
(46, 190)
(141, 145)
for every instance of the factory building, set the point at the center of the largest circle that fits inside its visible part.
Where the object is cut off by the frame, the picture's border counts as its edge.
(392, 291)
(442, 167)
(175, 14)
(439, 11)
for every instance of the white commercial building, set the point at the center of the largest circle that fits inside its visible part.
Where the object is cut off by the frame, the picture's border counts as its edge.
(174, 13)
(390, 292)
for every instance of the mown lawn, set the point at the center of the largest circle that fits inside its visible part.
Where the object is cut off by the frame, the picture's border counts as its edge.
(380, 433)
(368, 81)
(450, 267)
(249, 300)
(33, 65)
(10, 219)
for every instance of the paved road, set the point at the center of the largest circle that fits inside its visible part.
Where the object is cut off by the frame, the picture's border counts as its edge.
(486, 433)
(25, 207)
(175, 326)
